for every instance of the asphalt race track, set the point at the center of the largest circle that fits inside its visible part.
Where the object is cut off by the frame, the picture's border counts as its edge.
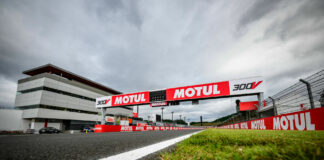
(79, 146)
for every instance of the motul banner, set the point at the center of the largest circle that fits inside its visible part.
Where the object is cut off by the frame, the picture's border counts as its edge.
(304, 120)
(115, 128)
(198, 91)
(218, 89)
(226, 88)
(123, 99)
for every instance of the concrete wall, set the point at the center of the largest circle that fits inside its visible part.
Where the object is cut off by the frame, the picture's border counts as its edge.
(27, 99)
(70, 88)
(60, 100)
(30, 84)
(11, 120)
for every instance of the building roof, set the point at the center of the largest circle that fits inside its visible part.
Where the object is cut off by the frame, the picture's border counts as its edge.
(49, 68)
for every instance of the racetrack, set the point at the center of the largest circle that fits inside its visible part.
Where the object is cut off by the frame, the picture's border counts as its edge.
(80, 146)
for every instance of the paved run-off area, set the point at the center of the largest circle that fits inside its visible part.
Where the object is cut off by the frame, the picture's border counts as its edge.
(79, 146)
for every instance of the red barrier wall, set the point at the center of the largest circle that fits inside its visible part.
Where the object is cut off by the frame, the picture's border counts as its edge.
(115, 128)
(304, 120)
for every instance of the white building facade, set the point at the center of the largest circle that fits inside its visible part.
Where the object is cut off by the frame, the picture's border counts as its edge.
(52, 96)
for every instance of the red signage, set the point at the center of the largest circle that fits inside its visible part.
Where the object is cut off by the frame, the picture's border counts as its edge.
(115, 128)
(135, 115)
(247, 106)
(248, 86)
(304, 120)
(131, 99)
(198, 91)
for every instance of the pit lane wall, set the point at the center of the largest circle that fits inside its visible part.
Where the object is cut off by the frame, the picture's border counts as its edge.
(304, 120)
(117, 128)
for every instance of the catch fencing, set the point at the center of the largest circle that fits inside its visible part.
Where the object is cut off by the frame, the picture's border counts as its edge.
(296, 97)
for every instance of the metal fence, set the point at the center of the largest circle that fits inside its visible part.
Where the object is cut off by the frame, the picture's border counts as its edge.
(296, 97)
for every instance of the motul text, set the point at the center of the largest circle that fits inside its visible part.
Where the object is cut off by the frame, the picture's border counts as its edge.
(198, 91)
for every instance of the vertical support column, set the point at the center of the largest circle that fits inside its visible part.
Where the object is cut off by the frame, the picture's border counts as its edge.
(32, 124)
(310, 95)
(103, 113)
(275, 112)
(260, 99)
(162, 114)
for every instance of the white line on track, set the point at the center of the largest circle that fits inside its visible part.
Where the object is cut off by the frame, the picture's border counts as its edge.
(141, 152)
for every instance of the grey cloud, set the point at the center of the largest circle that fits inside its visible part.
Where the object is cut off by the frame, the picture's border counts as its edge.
(142, 45)
(310, 12)
(259, 9)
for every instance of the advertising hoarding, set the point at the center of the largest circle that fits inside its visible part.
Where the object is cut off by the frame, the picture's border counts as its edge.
(304, 120)
(123, 99)
(239, 87)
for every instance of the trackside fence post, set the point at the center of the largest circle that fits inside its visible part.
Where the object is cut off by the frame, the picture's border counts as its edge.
(275, 112)
(309, 90)
(260, 99)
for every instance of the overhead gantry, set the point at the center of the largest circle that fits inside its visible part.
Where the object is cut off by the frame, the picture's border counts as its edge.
(194, 93)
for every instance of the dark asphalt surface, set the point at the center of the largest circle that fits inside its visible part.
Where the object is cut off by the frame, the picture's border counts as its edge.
(79, 146)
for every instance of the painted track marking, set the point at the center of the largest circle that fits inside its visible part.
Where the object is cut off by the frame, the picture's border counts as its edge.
(144, 151)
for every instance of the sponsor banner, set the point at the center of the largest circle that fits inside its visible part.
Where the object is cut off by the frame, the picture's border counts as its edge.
(304, 120)
(246, 86)
(140, 128)
(247, 106)
(142, 124)
(103, 101)
(198, 91)
(117, 128)
(209, 90)
(131, 99)
(157, 104)
(123, 99)
(251, 105)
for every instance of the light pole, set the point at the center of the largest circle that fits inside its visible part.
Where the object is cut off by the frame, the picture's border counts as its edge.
(172, 115)
(162, 114)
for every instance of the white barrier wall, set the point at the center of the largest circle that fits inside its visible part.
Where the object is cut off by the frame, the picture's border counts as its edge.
(11, 120)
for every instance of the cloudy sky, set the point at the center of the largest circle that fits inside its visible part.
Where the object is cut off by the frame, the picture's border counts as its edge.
(145, 45)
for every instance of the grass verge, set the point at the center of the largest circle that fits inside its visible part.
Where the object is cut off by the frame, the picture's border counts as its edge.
(250, 144)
